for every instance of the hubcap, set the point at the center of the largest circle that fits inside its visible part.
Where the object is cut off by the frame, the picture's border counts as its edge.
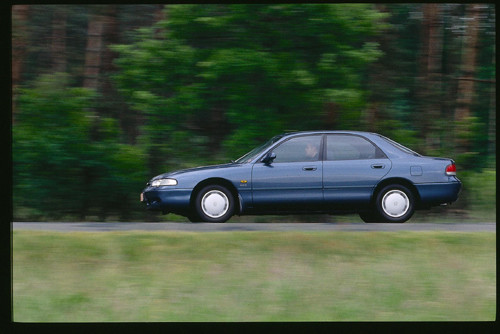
(395, 203)
(215, 204)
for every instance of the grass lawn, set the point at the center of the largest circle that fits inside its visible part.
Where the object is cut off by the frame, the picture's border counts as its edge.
(253, 276)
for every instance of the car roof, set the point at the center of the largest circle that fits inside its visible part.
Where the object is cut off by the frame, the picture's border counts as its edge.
(312, 132)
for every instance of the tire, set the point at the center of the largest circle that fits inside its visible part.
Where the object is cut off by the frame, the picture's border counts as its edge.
(214, 204)
(395, 204)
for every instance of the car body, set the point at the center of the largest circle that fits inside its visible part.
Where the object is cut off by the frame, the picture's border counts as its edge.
(310, 172)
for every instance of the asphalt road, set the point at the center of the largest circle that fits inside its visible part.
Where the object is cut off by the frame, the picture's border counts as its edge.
(211, 227)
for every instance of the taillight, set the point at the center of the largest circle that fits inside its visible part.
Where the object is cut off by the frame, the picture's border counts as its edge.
(451, 170)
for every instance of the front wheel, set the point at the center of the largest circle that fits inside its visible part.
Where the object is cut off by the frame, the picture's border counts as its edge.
(214, 204)
(395, 204)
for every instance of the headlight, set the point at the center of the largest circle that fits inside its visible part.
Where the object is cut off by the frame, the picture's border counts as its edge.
(164, 182)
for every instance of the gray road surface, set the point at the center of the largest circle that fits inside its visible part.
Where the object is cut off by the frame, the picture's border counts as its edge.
(211, 227)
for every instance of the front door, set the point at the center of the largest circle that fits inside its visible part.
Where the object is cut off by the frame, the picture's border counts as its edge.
(294, 180)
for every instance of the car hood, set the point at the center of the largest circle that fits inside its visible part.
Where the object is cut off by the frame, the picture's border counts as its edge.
(195, 169)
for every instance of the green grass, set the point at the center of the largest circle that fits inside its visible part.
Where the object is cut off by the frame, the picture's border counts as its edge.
(253, 276)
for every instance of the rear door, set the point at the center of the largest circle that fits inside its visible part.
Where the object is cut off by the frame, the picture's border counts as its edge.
(352, 167)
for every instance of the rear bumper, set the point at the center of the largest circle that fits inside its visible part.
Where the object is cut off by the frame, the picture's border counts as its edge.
(439, 193)
(166, 200)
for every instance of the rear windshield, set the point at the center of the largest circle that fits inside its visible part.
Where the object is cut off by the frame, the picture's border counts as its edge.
(399, 146)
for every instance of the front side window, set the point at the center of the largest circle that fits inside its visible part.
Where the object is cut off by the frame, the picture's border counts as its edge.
(348, 147)
(305, 148)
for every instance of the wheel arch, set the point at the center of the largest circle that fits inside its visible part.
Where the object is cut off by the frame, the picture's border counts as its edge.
(396, 180)
(216, 181)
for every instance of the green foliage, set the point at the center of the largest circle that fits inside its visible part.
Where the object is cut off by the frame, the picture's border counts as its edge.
(465, 132)
(479, 194)
(67, 160)
(230, 76)
(483, 191)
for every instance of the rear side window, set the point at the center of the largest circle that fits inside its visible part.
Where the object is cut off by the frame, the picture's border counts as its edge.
(348, 147)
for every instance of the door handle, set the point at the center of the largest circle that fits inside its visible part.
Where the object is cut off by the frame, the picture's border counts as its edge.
(378, 166)
(309, 168)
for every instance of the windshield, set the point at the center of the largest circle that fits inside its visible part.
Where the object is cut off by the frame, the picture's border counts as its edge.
(258, 150)
(399, 146)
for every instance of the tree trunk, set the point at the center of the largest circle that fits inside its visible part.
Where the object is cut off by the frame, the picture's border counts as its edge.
(465, 90)
(492, 117)
(433, 39)
(159, 15)
(431, 74)
(93, 52)
(379, 71)
(109, 36)
(20, 16)
(58, 44)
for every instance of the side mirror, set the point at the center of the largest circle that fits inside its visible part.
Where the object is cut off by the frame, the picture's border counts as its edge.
(269, 158)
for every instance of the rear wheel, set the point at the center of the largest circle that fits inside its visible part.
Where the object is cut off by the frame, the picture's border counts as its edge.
(214, 204)
(395, 204)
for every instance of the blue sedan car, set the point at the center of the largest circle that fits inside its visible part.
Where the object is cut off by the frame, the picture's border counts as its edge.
(310, 172)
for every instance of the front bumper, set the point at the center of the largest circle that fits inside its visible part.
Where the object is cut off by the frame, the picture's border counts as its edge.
(166, 199)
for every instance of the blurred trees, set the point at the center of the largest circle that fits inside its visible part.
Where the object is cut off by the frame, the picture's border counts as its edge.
(106, 96)
(67, 160)
(71, 158)
(419, 86)
(224, 78)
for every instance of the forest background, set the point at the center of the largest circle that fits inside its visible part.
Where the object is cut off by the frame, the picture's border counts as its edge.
(106, 96)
